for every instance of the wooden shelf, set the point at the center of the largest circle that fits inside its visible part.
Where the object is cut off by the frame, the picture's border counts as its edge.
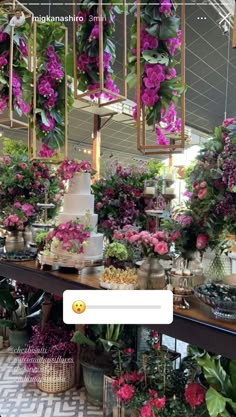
(197, 326)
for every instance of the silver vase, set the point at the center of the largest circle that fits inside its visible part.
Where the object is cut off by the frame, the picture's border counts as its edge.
(14, 241)
(151, 275)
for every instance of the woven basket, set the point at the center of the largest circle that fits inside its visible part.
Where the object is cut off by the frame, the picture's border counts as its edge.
(55, 377)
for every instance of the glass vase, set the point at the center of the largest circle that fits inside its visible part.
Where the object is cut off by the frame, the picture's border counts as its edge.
(151, 275)
(14, 241)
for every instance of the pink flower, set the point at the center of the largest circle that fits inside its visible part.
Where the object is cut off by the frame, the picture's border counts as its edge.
(99, 205)
(95, 32)
(202, 241)
(161, 248)
(81, 17)
(45, 151)
(228, 121)
(27, 209)
(129, 351)
(166, 7)
(203, 184)
(19, 177)
(117, 235)
(160, 235)
(17, 204)
(125, 393)
(194, 394)
(175, 236)
(202, 193)
(23, 165)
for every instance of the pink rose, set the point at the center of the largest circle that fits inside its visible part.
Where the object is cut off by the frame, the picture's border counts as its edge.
(203, 184)
(117, 235)
(160, 235)
(125, 393)
(202, 193)
(129, 351)
(17, 204)
(134, 238)
(161, 248)
(202, 241)
(99, 205)
(23, 166)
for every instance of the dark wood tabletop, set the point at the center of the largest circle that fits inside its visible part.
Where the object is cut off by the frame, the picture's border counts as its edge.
(197, 325)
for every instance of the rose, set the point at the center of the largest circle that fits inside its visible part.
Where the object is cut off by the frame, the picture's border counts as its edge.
(23, 166)
(202, 241)
(202, 193)
(203, 184)
(129, 351)
(19, 177)
(161, 248)
(175, 236)
(194, 394)
(126, 392)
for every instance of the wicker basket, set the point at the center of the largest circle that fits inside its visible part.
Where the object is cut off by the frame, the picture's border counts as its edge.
(55, 377)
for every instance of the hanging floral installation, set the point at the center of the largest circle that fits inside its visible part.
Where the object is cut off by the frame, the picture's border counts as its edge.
(160, 38)
(51, 104)
(21, 77)
(87, 47)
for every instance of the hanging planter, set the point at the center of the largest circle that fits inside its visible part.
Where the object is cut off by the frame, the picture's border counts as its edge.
(48, 135)
(155, 37)
(15, 62)
(94, 54)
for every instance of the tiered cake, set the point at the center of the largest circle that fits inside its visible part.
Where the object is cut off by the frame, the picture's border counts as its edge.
(79, 205)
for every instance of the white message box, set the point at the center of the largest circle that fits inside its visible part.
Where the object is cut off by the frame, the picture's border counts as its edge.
(118, 307)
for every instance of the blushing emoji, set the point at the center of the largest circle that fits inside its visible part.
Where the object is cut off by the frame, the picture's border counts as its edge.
(79, 306)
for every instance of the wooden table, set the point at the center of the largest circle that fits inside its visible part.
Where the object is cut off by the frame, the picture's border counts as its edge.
(196, 326)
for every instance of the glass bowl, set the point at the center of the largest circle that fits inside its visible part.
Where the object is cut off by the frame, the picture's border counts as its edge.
(221, 297)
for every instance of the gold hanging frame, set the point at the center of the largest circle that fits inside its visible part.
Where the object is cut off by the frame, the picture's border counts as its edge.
(175, 146)
(85, 96)
(10, 121)
(32, 137)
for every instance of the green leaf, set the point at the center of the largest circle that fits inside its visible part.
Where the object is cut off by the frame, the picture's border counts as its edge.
(232, 372)
(131, 79)
(2, 80)
(7, 301)
(169, 27)
(70, 64)
(108, 344)
(215, 402)
(81, 339)
(215, 373)
(154, 57)
(153, 30)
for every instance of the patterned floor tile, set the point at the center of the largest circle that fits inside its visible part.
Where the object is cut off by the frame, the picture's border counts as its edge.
(19, 399)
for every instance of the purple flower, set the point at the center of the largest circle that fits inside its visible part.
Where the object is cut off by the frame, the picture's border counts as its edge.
(3, 61)
(23, 48)
(55, 70)
(45, 151)
(166, 7)
(161, 139)
(50, 51)
(51, 100)
(82, 62)
(81, 17)
(188, 194)
(95, 32)
(149, 97)
(25, 108)
(45, 88)
(50, 126)
(3, 37)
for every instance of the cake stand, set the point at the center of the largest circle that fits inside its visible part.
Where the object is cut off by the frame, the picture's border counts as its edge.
(68, 261)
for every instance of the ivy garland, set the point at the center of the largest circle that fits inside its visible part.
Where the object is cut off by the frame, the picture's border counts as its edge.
(160, 85)
(87, 41)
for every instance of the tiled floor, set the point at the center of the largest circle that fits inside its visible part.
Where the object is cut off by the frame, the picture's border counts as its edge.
(17, 399)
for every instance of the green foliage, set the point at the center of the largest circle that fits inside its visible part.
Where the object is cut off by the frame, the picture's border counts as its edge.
(116, 250)
(14, 148)
(221, 393)
(100, 336)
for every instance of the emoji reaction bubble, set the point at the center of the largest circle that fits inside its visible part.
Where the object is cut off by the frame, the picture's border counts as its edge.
(79, 306)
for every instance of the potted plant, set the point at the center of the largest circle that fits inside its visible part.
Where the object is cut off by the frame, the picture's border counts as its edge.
(19, 315)
(49, 358)
(116, 254)
(40, 240)
(220, 382)
(96, 357)
(151, 386)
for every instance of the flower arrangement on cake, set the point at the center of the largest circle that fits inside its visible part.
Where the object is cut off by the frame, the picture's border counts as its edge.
(152, 387)
(68, 168)
(70, 237)
(119, 198)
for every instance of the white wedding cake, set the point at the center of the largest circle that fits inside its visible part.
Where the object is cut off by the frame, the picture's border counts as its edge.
(79, 205)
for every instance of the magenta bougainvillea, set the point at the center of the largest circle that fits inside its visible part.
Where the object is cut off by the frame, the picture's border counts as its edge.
(160, 85)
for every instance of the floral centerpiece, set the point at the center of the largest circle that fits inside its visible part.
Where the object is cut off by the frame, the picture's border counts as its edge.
(119, 196)
(24, 184)
(70, 236)
(88, 48)
(160, 85)
(153, 387)
(19, 216)
(68, 168)
(21, 77)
